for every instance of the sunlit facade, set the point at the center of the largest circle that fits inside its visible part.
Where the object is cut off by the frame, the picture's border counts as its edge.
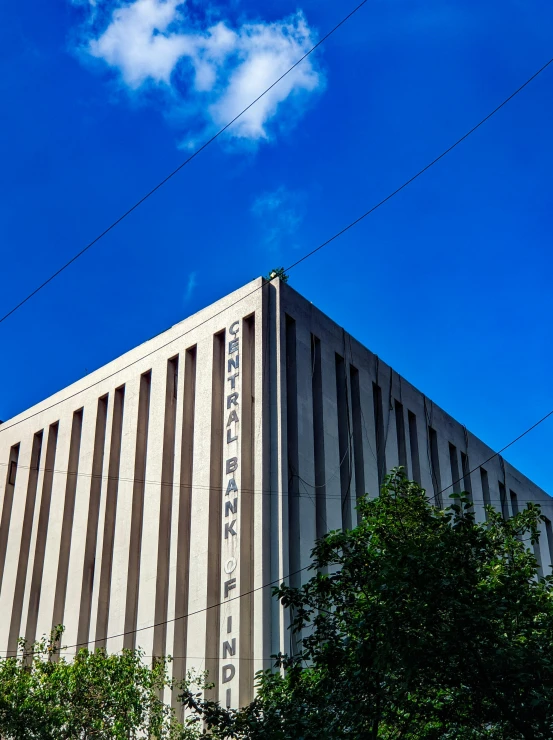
(152, 502)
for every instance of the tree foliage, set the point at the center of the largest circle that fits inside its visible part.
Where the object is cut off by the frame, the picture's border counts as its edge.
(278, 272)
(418, 623)
(96, 696)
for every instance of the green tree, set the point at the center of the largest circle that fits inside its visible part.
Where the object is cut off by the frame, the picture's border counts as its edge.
(278, 272)
(418, 623)
(93, 696)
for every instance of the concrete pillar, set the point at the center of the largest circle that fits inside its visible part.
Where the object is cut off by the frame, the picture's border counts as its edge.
(80, 522)
(32, 546)
(174, 543)
(152, 498)
(279, 544)
(262, 637)
(332, 512)
(369, 432)
(388, 382)
(51, 555)
(306, 472)
(121, 540)
(13, 546)
(197, 598)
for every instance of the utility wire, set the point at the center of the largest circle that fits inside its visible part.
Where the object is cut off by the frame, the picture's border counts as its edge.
(283, 578)
(271, 492)
(63, 651)
(428, 166)
(5, 427)
(149, 482)
(495, 454)
(191, 614)
(182, 165)
(243, 491)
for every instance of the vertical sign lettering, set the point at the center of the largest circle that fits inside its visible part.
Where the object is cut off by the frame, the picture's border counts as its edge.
(230, 508)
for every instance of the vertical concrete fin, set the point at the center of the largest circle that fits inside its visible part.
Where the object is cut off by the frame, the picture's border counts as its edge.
(293, 452)
(503, 499)
(165, 508)
(137, 509)
(401, 437)
(68, 514)
(42, 532)
(278, 462)
(109, 519)
(246, 511)
(454, 467)
(15, 624)
(465, 467)
(414, 445)
(215, 512)
(357, 419)
(344, 440)
(435, 466)
(7, 506)
(185, 515)
(318, 438)
(83, 630)
(485, 488)
(380, 436)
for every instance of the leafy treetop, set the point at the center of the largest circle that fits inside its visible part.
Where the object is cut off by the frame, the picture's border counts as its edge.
(417, 623)
(278, 272)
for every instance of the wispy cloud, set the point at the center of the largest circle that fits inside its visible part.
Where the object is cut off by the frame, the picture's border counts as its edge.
(279, 214)
(206, 75)
(190, 286)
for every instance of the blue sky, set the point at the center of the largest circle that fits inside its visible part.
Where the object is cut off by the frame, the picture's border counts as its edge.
(450, 282)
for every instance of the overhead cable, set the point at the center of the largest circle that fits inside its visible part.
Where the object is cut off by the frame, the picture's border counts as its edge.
(5, 427)
(181, 166)
(289, 575)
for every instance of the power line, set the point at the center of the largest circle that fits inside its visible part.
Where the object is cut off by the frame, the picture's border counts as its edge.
(427, 167)
(182, 165)
(495, 454)
(172, 657)
(242, 491)
(192, 614)
(283, 578)
(149, 482)
(140, 629)
(309, 566)
(5, 427)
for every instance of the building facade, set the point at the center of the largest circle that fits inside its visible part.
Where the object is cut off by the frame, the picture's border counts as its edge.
(154, 502)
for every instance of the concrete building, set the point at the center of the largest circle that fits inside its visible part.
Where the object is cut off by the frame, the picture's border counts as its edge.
(185, 476)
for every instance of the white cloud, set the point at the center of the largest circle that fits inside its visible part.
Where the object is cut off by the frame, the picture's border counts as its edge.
(280, 214)
(213, 73)
(136, 41)
(265, 52)
(190, 286)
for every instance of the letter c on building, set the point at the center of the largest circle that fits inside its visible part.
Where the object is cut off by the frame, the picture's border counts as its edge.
(231, 330)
